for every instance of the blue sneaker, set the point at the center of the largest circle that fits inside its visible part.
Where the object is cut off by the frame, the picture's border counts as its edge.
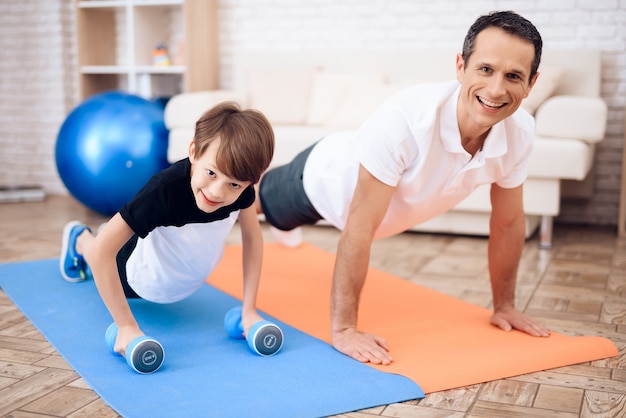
(73, 266)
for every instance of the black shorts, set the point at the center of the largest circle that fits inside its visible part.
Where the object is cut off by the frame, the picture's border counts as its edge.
(122, 258)
(284, 202)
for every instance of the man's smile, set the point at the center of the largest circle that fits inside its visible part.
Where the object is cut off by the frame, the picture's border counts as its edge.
(490, 104)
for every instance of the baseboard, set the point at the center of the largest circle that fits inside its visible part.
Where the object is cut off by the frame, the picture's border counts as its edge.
(21, 194)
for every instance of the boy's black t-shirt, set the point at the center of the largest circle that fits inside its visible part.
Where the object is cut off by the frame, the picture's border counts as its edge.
(167, 200)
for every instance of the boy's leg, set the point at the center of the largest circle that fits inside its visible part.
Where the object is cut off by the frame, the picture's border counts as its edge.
(73, 266)
(121, 259)
(77, 238)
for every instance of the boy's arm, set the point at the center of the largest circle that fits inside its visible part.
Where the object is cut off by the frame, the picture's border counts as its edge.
(102, 260)
(252, 240)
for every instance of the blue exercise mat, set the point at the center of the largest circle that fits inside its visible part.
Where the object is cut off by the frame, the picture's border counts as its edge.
(205, 373)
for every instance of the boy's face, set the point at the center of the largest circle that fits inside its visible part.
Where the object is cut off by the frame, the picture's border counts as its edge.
(211, 188)
(495, 79)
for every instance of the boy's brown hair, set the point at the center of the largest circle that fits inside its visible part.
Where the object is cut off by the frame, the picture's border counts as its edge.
(247, 140)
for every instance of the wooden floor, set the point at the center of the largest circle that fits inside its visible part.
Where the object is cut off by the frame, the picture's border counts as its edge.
(578, 287)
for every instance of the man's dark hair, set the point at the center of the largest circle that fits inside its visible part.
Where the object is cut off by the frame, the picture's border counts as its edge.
(509, 22)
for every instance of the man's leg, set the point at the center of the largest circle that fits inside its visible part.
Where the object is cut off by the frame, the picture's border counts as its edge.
(283, 201)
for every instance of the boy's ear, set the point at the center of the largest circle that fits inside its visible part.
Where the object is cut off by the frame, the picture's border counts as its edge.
(192, 150)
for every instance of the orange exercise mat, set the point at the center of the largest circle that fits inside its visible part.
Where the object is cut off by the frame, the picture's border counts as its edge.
(438, 341)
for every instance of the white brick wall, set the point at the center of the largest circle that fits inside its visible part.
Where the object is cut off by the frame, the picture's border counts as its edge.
(37, 88)
(37, 55)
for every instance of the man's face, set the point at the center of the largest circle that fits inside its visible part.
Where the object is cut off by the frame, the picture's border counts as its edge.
(495, 79)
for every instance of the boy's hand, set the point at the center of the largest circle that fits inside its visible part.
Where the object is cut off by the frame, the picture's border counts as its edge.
(366, 348)
(249, 318)
(125, 335)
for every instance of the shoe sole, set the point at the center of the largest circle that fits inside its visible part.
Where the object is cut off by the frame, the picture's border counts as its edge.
(289, 239)
(64, 245)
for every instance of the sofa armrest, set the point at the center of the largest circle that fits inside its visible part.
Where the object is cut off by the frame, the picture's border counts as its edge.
(575, 117)
(183, 110)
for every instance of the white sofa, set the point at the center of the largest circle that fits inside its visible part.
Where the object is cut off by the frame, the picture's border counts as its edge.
(307, 94)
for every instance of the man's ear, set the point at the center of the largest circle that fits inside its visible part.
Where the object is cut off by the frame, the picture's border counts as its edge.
(531, 84)
(460, 67)
(192, 150)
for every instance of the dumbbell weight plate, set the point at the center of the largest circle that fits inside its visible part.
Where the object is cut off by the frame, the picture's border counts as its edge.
(145, 355)
(267, 338)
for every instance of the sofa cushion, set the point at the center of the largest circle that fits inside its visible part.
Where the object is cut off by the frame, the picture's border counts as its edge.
(281, 93)
(549, 78)
(359, 103)
(291, 139)
(559, 158)
(183, 110)
(572, 118)
(178, 144)
(329, 91)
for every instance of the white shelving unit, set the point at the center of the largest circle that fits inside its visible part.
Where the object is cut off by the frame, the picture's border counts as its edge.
(116, 39)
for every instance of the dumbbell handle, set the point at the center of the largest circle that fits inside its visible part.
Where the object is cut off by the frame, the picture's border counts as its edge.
(144, 354)
(264, 338)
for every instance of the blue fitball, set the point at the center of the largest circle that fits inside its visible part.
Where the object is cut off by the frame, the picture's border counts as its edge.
(109, 147)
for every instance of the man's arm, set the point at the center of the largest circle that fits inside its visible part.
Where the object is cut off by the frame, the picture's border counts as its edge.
(367, 209)
(506, 242)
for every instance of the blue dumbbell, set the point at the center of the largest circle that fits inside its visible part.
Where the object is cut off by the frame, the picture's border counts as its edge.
(144, 354)
(264, 337)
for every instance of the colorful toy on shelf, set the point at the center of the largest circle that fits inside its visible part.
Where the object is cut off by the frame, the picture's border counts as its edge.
(160, 56)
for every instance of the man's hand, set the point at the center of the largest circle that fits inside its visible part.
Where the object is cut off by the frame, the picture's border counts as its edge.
(509, 318)
(366, 348)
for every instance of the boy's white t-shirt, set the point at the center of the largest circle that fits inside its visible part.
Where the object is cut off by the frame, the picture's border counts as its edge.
(413, 143)
(173, 262)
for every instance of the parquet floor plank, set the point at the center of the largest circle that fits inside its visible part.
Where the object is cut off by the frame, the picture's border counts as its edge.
(33, 387)
(484, 409)
(97, 408)
(405, 410)
(61, 402)
(559, 398)
(604, 404)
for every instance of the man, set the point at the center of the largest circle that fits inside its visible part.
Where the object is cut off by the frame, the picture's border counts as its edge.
(420, 154)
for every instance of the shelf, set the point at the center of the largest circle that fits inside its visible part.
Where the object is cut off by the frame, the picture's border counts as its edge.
(112, 69)
(172, 69)
(103, 69)
(86, 4)
(140, 3)
(92, 4)
(117, 39)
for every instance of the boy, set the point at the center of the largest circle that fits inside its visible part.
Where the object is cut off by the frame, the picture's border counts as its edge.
(163, 244)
